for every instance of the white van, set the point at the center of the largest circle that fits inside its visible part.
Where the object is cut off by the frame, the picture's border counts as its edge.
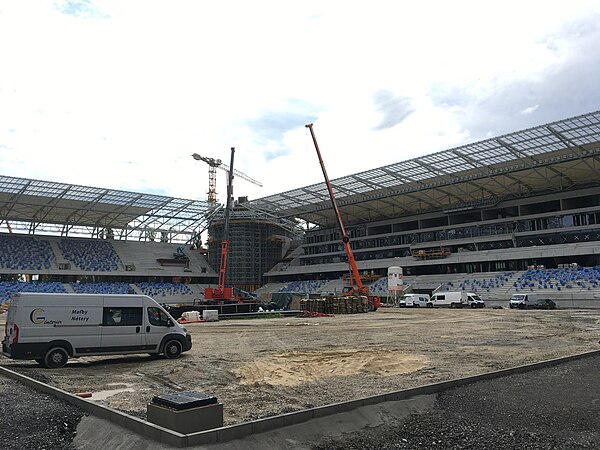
(523, 301)
(456, 299)
(414, 300)
(50, 328)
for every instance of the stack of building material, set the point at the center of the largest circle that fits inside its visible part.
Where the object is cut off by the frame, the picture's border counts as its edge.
(336, 305)
(313, 305)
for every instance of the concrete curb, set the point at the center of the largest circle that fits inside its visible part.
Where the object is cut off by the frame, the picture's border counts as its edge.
(242, 430)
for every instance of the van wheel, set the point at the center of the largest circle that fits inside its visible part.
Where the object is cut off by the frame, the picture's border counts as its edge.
(56, 358)
(172, 349)
(430, 305)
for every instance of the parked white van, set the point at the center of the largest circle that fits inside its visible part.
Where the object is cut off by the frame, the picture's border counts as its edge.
(414, 300)
(456, 299)
(50, 328)
(523, 301)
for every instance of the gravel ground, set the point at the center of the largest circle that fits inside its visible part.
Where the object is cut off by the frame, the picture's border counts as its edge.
(556, 408)
(33, 420)
(258, 368)
(262, 367)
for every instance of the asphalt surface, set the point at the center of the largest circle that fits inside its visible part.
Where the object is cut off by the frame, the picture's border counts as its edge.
(30, 419)
(554, 408)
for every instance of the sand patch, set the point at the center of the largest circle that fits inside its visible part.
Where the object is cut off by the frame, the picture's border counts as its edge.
(292, 368)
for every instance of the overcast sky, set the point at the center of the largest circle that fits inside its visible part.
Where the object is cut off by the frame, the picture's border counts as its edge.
(120, 93)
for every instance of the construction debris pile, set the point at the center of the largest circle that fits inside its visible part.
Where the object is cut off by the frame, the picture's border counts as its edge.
(336, 305)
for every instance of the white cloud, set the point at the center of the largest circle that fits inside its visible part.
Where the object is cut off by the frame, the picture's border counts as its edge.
(119, 93)
(530, 109)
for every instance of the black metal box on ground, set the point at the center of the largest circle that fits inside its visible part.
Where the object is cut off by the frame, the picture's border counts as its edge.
(184, 400)
(186, 412)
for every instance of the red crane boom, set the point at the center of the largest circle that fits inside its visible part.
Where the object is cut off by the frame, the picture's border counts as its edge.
(360, 289)
(221, 292)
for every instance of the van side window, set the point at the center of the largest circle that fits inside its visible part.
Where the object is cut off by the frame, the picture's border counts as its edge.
(121, 316)
(157, 317)
(440, 297)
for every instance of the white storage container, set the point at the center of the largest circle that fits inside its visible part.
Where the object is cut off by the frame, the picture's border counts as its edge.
(210, 315)
(191, 316)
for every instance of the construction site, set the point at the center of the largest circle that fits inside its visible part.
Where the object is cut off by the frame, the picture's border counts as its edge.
(279, 322)
(282, 365)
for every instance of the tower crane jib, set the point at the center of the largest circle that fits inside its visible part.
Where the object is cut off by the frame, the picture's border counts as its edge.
(213, 164)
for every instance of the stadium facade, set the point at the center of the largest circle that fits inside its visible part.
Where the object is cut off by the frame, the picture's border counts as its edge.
(529, 198)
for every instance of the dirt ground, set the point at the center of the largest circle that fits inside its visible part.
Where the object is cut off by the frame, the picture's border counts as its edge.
(263, 367)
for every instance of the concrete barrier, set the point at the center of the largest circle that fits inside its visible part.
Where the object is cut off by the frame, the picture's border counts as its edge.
(239, 431)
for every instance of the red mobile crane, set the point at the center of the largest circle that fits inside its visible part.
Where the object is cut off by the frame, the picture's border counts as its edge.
(359, 289)
(223, 293)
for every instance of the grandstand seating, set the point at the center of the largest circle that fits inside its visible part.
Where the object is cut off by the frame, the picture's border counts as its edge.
(493, 286)
(562, 283)
(162, 292)
(333, 286)
(144, 257)
(478, 283)
(25, 252)
(157, 290)
(558, 279)
(304, 287)
(102, 288)
(90, 255)
(379, 287)
(55, 255)
(10, 288)
(553, 283)
(269, 288)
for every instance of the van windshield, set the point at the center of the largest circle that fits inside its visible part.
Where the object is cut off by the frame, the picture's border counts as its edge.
(517, 298)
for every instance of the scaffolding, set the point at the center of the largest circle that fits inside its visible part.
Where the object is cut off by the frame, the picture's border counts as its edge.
(255, 246)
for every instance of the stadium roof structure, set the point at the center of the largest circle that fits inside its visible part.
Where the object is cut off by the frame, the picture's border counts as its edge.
(554, 157)
(557, 156)
(57, 208)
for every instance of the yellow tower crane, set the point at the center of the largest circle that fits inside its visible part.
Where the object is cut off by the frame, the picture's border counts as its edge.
(213, 164)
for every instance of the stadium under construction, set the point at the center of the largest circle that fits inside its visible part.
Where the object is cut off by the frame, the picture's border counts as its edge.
(528, 199)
